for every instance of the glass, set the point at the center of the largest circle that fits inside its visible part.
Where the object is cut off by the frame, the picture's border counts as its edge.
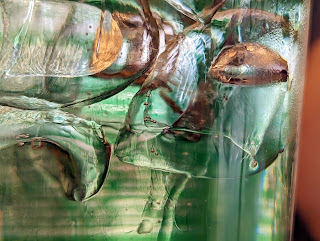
(150, 120)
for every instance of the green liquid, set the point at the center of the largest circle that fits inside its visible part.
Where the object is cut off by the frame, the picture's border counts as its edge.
(33, 206)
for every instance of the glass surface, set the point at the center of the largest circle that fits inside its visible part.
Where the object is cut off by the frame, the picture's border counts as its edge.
(150, 120)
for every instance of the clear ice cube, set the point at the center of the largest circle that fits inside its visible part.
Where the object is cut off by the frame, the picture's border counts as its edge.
(83, 172)
(73, 40)
(219, 130)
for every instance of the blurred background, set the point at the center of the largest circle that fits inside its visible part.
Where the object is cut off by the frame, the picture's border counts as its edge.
(307, 221)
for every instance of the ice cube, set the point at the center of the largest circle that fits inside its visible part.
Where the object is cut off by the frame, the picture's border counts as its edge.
(141, 44)
(249, 64)
(236, 132)
(39, 92)
(73, 40)
(88, 151)
(221, 130)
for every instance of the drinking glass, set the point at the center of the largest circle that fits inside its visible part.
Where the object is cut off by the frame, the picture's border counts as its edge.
(156, 120)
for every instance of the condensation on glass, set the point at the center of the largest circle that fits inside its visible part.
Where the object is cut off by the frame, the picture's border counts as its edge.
(156, 120)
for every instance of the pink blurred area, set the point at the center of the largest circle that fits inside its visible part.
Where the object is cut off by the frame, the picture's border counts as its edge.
(308, 180)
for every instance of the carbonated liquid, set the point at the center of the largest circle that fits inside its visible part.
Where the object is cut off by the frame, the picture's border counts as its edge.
(149, 120)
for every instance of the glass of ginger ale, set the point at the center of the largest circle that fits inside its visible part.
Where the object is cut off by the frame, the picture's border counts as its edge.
(150, 120)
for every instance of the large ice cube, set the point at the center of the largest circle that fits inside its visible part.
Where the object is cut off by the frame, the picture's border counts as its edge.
(220, 130)
(82, 175)
(73, 40)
